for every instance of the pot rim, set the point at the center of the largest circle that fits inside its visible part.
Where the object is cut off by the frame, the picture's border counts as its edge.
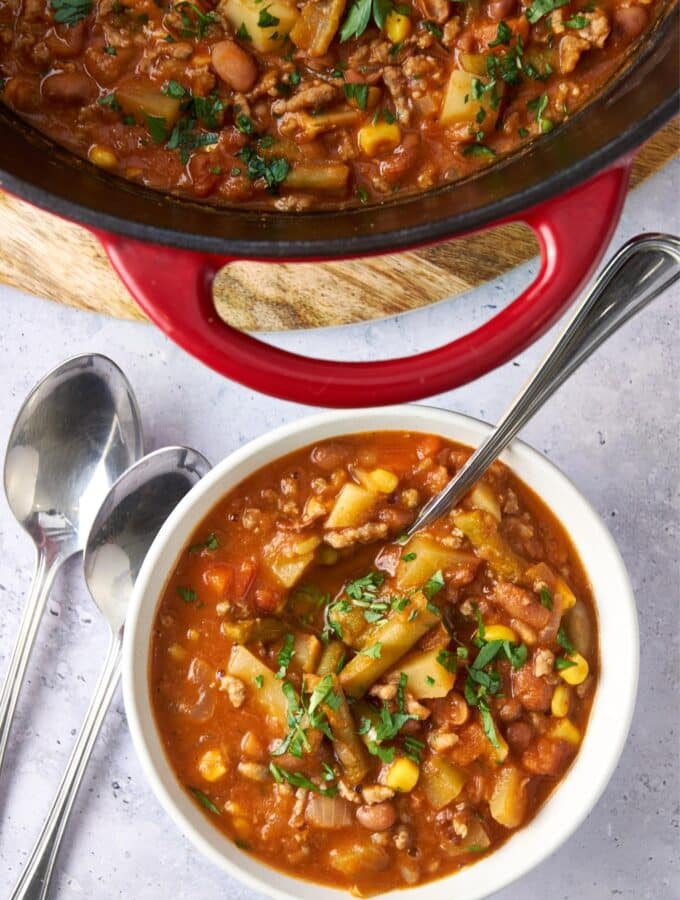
(365, 241)
(611, 714)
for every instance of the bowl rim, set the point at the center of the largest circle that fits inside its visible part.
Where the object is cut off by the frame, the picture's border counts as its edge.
(610, 718)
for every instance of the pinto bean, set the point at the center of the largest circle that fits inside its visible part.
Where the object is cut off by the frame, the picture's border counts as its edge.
(234, 65)
(22, 93)
(519, 735)
(501, 9)
(330, 456)
(630, 21)
(69, 87)
(378, 817)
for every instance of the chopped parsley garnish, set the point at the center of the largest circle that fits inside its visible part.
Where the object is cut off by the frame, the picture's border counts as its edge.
(187, 594)
(204, 800)
(259, 681)
(110, 101)
(285, 655)
(522, 132)
(358, 93)
(242, 34)
(373, 652)
(577, 21)
(174, 89)
(362, 194)
(273, 171)
(478, 150)
(110, 51)
(359, 15)
(266, 19)
(545, 597)
(195, 26)
(364, 589)
(429, 680)
(409, 557)
(563, 663)
(297, 779)
(538, 106)
(157, 128)
(564, 642)
(434, 29)
(211, 542)
(294, 78)
(434, 585)
(244, 123)
(70, 12)
(413, 748)
(540, 8)
(503, 35)
(447, 660)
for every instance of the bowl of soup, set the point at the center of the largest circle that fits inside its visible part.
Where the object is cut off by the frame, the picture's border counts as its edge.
(325, 707)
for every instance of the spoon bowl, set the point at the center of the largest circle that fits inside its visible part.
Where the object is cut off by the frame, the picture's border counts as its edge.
(128, 521)
(77, 431)
(122, 531)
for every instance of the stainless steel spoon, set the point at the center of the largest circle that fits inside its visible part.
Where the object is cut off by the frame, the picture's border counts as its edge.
(639, 272)
(122, 532)
(77, 431)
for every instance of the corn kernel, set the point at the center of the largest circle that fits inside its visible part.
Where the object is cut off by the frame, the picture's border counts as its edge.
(193, 634)
(378, 138)
(559, 705)
(499, 633)
(577, 673)
(402, 775)
(211, 765)
(103, 157)
(397, 27)
(328, 556)
(565, 592)
(241, 826)
(380, 480)
(565, 730)
(177, 652)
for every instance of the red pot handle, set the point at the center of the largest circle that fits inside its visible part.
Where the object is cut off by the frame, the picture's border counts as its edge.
(174, 288)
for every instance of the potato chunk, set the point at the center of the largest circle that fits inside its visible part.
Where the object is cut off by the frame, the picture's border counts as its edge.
(426, 677)
(352, 506)
(268, 698)
(139, 100)
(508, 799)
(464, 100)
(429, 558)
(245, 16)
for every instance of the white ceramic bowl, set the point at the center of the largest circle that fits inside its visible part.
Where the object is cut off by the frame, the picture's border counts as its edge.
(612, 710)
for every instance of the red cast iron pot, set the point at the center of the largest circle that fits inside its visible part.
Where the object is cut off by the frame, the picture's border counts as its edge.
(569, 187)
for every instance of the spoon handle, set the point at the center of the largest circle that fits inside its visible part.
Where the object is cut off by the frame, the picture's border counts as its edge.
(35, 879)
(639, 272)
(46, 567)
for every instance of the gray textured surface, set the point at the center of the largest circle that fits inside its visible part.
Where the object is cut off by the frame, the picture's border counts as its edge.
(613, 428)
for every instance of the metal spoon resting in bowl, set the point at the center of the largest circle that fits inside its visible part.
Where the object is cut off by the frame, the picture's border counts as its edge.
(78, 430)
(122, 532)
(641, 270)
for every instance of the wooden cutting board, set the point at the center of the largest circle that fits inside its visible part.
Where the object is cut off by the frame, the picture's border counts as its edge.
(45, 256)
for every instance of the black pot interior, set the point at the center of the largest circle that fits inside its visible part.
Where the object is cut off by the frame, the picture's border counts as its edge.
(639, 100)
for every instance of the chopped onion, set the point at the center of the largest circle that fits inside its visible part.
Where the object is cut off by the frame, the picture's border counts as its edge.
(328, 812)
(201, 674)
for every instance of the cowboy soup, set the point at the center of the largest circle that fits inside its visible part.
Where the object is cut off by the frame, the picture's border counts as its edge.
(357, 709)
